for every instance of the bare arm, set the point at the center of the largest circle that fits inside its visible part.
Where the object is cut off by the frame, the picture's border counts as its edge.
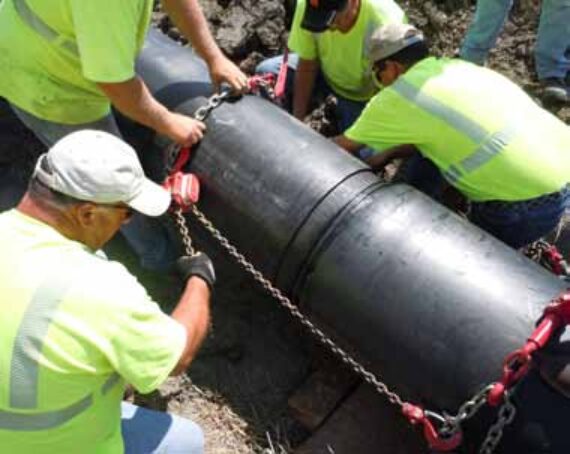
(380, 160)
(192, 311)
(349, 145)
(304, 82)
(190, 20)
(133, 99)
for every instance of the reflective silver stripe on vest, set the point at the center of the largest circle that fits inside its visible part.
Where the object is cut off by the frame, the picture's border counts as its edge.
(490, 145)
(110, 383)
(30, 338)
(41, 421)
(27, 350)
(41, 28)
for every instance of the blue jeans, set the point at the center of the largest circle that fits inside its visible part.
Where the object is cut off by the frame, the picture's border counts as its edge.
(149, 237)
(423, 175)
(347, 110)
(520, 223)
(152, 432)
(552, 51)
(515, 223)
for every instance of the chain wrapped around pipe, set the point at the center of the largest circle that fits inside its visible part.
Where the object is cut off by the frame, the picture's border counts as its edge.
(448, 435)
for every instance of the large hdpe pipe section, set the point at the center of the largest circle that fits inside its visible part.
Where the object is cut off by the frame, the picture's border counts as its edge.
(430, 301)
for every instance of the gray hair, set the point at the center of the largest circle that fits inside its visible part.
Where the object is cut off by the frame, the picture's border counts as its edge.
(43, 194)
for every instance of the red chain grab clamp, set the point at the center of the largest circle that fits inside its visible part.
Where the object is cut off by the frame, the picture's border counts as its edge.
(435, 440)
(184, 187)
(273, 87)
(555, 260)
(517, 364)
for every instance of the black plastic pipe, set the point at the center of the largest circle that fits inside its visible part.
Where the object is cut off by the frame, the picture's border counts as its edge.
(432, 302)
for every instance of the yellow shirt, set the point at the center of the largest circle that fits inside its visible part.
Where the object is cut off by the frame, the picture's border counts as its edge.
(56, 81)
(74, 328)
(344, 56)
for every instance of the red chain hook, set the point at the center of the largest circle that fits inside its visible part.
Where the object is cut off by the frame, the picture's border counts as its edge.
(517, 364)
(556, 260)
(184, 187)
(435, 440)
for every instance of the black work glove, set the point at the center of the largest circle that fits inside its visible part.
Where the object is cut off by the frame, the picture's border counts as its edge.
(198, 265)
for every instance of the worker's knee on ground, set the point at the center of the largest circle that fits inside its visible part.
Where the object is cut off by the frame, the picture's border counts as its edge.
(269, 65)
(188, 435)
(149, 431)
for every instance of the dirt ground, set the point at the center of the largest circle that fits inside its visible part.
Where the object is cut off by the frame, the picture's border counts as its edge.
(256, 355)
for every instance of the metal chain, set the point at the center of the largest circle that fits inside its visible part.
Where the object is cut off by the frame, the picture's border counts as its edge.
(506, 414)
(450, 425)
(213, 101)
(184, 232)
(201, 114)
(467, 411)
(267, 87)
(368, 376)
(534, 251)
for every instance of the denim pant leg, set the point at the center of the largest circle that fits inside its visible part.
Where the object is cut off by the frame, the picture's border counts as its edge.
(348, 111)
(552, 52)
(423, 175)
(152, 432)
(490, 16)
(50, 132)
(12, 187)
(520, 223)
(148, 237)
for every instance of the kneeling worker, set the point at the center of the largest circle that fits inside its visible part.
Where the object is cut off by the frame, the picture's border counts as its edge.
(483, 133)
(76, 327)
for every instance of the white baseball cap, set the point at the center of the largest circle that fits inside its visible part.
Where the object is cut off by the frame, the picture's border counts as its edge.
(391, 39)
(95, 166)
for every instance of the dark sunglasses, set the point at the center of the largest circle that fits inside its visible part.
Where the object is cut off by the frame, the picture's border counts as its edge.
(128, 210)
(331, 18)
(335, 13)
(379, 66)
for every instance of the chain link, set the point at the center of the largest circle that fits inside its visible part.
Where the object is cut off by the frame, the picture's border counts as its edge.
(266, 87)
(213, 101)
(368, 376)
(506, 415)
(450, 424)
(201, 114)
(184, 232)
(467, 411)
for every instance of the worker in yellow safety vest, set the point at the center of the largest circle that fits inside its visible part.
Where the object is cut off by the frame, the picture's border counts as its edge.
(330, 40)
(66, 62)
(75, 326)
(475, 128)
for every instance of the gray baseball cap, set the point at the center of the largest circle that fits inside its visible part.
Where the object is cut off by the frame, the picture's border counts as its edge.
(391, 39)
(95, 166)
